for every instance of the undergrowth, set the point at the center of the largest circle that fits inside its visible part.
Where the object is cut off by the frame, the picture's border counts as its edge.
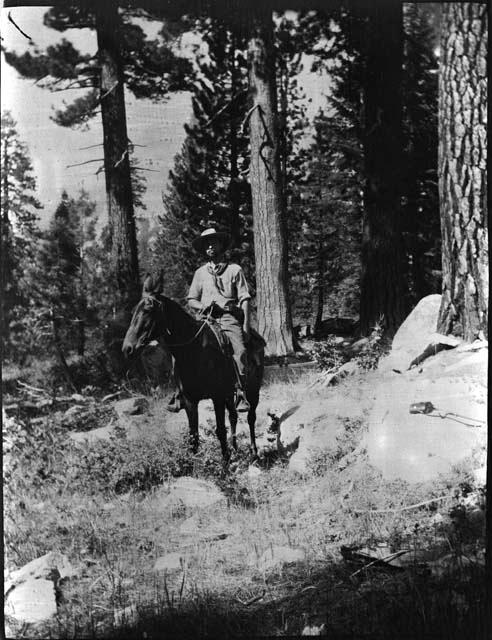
(101, 503)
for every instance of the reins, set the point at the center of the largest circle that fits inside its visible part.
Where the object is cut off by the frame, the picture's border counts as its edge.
(188, 342)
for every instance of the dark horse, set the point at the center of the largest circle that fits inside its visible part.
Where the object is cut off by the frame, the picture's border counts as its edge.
(202, 367)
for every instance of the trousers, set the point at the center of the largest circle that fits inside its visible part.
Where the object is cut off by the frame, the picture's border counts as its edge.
(231, 325)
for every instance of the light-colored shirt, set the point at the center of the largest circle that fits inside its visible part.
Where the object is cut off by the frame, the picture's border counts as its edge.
(227, 289)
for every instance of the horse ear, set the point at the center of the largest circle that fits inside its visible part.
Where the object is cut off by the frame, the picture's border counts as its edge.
(147, 285)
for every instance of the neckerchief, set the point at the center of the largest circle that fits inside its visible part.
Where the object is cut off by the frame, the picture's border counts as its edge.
(217, 270)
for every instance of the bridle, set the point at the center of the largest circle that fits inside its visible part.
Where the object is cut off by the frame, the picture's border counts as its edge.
(205, 322)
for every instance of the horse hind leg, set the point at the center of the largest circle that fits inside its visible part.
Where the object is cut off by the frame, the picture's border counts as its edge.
(253, 401)
(231, 410)
(219, 406)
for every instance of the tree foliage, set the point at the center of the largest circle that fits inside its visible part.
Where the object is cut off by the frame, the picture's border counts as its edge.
(208, 185)
(19, 207)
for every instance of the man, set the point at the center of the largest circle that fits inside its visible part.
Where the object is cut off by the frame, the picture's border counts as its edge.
(220, 288)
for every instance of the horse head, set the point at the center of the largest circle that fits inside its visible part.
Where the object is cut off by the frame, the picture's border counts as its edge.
(143, 325)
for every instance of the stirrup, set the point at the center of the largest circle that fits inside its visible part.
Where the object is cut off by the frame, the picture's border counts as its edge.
(176, 404)
(242, 405)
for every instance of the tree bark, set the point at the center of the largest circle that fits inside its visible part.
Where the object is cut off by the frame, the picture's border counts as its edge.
(273, 309)
(119, 195)
(462, 170)
(235, 225)
(381, 277)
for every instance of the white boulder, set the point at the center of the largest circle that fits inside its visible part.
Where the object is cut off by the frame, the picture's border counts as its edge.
(32, 601)
(190, 493)
(276, 556)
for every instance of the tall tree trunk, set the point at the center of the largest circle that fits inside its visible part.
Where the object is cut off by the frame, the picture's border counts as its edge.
(116, 155)
(462, 170)
(320, 284)
(6, 254)
(233, 142)
(273, 309)
(381, 278)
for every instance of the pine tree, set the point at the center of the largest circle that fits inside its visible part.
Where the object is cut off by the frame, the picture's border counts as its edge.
(463, 170)
(326, 230)
(18, 221)
(125, 58)
(420, 206)
(273, 306)
(208, 186)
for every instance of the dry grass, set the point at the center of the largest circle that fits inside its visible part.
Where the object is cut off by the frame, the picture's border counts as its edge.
(114, 534)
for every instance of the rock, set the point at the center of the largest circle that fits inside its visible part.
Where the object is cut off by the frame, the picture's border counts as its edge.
(131, 406)
(480, 476)
(277, 556)
(414, 335)
(102, 433)
(254, 472)
(78, 397)
(418, 447)
(51, 566)
(32, 601)
(169, 562)
(317, 422)
(347, 369)
(358, 345)
(190, 493)
(73, 411)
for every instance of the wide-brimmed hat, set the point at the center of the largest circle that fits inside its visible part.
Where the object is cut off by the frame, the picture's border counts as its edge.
(201, 243)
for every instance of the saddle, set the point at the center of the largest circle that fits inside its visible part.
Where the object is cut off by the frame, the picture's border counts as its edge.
(254, 347)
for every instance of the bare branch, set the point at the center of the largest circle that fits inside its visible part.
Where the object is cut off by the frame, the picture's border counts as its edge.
(79, 164)
(9, 16)
(220, 111)
(248, 116)
(91, 146)
(109, 91)
(125, 153)
(144, 169)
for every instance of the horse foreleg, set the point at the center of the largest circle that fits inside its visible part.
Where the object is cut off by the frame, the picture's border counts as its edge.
(231, 409)
(191, 409)
(219, 406)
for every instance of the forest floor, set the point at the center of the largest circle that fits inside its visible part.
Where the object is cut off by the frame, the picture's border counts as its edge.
(276, 554)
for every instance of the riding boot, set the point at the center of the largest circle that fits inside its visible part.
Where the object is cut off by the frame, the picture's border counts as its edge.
(175, 404)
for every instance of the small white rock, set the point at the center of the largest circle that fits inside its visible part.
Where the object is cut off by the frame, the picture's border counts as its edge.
(32, 601)
(170, 562)
(278, 556)
(254, 472)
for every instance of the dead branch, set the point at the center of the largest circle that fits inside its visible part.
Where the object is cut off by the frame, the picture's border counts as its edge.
(125, 153)
(410, 506)
(9, 16)
(225, 107)
(247, 117)
(378, 561)
(252, 600)
(79, 164)
(28, 386)
(106, 93)
(145, 169)
(91, 146)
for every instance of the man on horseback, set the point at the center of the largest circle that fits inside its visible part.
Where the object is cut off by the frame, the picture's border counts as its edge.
(219, 290)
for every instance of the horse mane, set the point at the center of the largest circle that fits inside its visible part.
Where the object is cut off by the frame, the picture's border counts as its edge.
(180, 321)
